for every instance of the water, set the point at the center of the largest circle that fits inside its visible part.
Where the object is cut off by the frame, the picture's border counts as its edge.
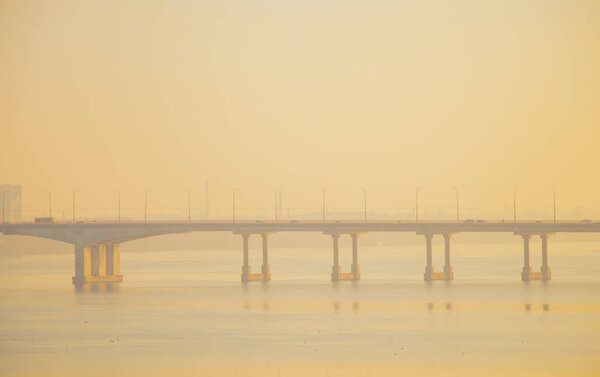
(185, 313)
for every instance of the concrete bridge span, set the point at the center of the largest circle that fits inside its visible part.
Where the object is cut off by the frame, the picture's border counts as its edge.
(97, 254)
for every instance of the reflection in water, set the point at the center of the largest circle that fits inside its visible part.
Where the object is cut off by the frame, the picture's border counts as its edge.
(447, 306)
(162, 321)
(97, 287)
(337, 307)
(530, 307)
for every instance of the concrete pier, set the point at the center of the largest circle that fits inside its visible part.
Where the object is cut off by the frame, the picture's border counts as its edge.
(545, 269)
(527, 274)
(97, 264)
(430, 273)
(265, 268)
(113, 259)
(113, 263)
(83, 264)
(355, 268)
(98, 255)
(265, 274)
(336, 270)
(448, 273)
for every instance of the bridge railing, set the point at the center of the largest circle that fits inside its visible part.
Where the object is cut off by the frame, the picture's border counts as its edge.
(246, 221)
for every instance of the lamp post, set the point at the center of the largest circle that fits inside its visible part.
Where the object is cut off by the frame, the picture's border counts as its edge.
(276, 208)
(189, 206)
(324, 190)
(74, 191)
(554, 201)
(364, 201)
(118, 204)
(146, 206)
(49, 203)
(515, 203)
(456, 190)
(233, 204)
(417, 203)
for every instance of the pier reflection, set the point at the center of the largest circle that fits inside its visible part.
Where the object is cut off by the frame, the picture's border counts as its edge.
(97, 287)
(537, 307)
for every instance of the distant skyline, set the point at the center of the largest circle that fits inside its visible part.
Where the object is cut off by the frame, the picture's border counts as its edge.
(301, 96)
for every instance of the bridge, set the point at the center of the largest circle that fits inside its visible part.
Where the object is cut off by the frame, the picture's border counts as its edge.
(97, 254)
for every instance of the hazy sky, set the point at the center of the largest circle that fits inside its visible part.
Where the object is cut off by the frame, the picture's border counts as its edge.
(298, 95)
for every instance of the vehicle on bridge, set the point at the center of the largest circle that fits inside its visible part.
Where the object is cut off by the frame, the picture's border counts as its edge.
(44, 220)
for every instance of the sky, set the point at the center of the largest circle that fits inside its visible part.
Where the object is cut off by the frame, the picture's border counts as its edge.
(481, 96)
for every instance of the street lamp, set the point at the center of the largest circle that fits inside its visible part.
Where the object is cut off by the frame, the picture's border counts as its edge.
(417, 203)
(49, 204)
(74, 191)
(324, 190)
(189, 206)
(233, 204)
(275, 191)
(456, 190)
(364, 201)
(118, 204)
(554, 201)
(515, 203)
(146, 206)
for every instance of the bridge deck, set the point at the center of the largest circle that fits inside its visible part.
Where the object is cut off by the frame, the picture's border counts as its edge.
(107, 231)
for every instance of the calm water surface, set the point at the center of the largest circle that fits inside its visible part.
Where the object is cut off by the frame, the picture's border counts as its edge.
(185, 313)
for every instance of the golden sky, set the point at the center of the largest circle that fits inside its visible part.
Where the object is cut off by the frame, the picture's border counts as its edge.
(299, 95)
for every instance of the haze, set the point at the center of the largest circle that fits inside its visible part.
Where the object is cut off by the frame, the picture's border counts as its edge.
(298, 96)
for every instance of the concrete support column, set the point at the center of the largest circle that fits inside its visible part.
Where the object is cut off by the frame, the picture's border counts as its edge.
(448, 273)
(335, 270)
(429, 267)
(97, 264)
(98, 260)
(265, 269)
(545, 268)
(526, 274)
(113, 259)
(245, 266)
(113, 263)
(354, 268)
(83, 265)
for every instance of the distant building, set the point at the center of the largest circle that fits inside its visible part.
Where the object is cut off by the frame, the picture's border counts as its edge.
(10, 195)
